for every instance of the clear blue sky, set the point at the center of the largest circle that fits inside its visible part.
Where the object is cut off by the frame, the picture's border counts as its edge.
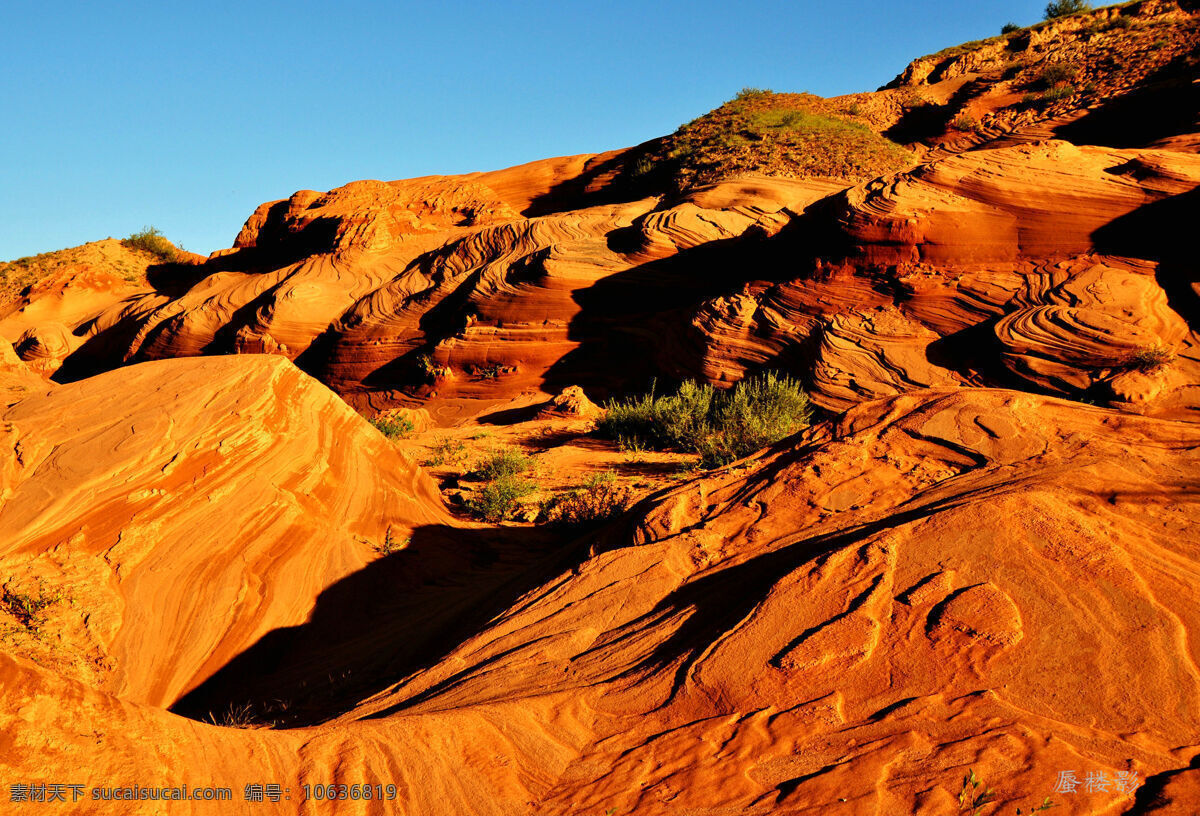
(187, 116)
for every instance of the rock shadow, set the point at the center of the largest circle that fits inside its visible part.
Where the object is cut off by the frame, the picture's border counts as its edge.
(401, 613)
(1165, 104)
(638, 326)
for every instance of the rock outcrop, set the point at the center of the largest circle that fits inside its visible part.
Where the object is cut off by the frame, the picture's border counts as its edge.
(952, 578)
(982, 558)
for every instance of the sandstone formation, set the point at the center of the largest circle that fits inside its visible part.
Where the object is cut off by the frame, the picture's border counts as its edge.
(952, 578)
(981, 557)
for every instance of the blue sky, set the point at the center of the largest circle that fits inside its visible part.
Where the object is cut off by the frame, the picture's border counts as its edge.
(119, 115)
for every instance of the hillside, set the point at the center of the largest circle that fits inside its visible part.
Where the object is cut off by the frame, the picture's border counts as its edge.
(976, 558)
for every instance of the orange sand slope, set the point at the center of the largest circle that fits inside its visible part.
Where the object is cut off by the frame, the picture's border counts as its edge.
(951, 578)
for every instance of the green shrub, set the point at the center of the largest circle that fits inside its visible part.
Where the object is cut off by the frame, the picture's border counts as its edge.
(1040, 100)
(29, 607)
(392, 544)
(597, 500)
(152, 241)
(758, 412)
(501, 463)
(1056, 74)
(446, 451)
(1009, 28)
(1150, 359)
(1058, 92)
(720, 426)
(965, 122)
(651, 421)
(428, 370)
(644, 166)
(487, 372)
(747, 93)
(1063, 8)
(393, 425)
(500, 498)
(970, 798)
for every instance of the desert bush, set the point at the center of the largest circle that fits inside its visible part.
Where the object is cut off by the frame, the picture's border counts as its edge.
(28, 606)
(1121, 22)
(500, 498)
(446, 451)
(487, 372)
(748, 93)
(657, 422)
(243, 715)
(428, 370)
(501, 463)
(1009, 28)
(1063, 8)
(720, 426)
(965, 122)
(1039, 100)
(644, 166)
(757, 412)
(152, 241)
(392, 544)
(1058, 92)
(1150, 359)
(1056, 74)
(597, 500)
(392, 425)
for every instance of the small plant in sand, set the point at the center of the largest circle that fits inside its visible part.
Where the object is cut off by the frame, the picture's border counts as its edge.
(1149, 359)
(597, 500)
(238, 716)
(970, 798)
(720, 426)
(446, 451)
(966, 123)
(393, 425)
(28, 606)
(428, 370)
(487, 372)
(152, 241)
(392, 544)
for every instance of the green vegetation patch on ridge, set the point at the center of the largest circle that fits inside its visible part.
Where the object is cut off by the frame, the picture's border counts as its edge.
(153, 241)
(796, 135)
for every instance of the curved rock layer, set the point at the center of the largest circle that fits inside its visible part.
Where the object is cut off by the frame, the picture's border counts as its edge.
(1033, 200)
(188, 507)
(950, 579)
(438, 290)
